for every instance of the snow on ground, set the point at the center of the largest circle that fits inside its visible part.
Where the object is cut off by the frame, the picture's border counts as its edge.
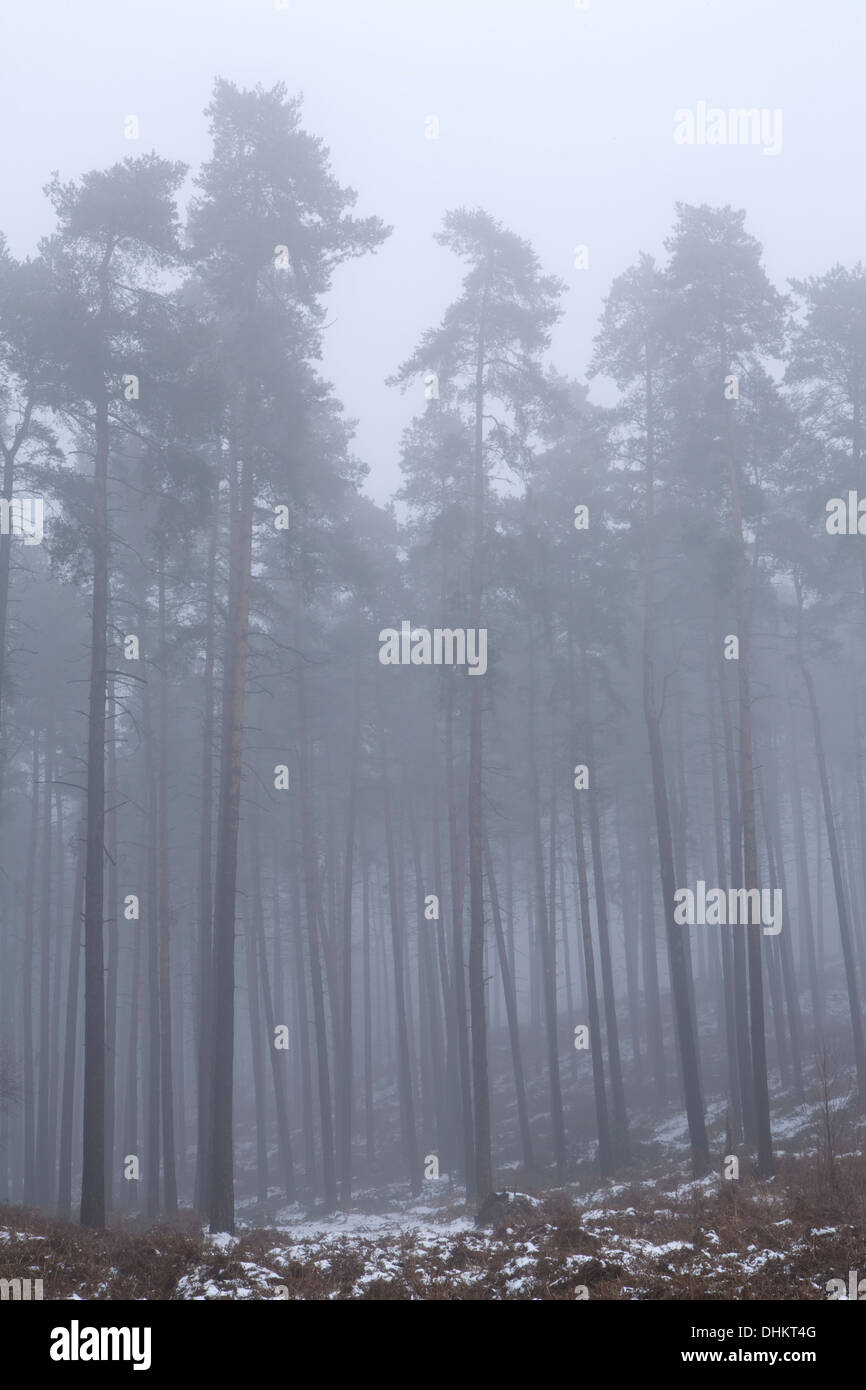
(425, 1246)
(223, 1241)
(257, 1282)
(344, 1225)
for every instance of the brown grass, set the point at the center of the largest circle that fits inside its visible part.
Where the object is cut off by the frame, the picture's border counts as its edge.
(541, 1251)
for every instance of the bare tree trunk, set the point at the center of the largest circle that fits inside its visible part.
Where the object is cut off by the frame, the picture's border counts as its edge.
(766, 1164)
(369, 1113)
(277, 1056)
(680, 980)
(738, 945)
(93, 1160)
(620, 1118)
(205, 890)
(679, 821)
(348, 866)
(44, 1153)
(655, 1030)
(773, 831)
(835, 861)
(606, 1151)
(545, 938)
(222, 1201)
(436, 1116)
(113, 955)
(477, 1002)
(330, 953)
(449, 1133)
(630, 943)
(804, 896)
(303, 1019)
(404, 1075)
(64, 1182)
(130, 1120)
(9, 453)
(151, 916)
(457, 965)
(819, 896)
(27, 1057)
(605, 1141)
(166, 1074)
(312, 905)
(511, 1014)
(252, 928)
(846, 823)
(566, 943)
(59, 979)
(728, 988)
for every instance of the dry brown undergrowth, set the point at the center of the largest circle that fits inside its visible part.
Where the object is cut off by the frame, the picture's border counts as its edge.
(748, 1240)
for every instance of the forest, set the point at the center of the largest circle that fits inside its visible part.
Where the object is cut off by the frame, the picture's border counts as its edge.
(496, 845)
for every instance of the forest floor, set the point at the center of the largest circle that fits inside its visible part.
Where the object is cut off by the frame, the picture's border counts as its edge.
(642, 1237)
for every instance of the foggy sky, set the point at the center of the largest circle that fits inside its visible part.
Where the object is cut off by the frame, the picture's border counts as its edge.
(558, 121)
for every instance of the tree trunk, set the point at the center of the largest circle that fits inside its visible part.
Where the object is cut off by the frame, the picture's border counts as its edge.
(457, 965)
(836, 865)
(27, 1055)
(64, 1182)
(404, 1075)
(45, 1155)
(655, 1029)
(738, 944)
(680, 984)
(308, 842)
(369, 1113)
(766, 1165)
(165, 1044)
(620, 1118)
(277, 1057)
(93, 1159)
(804, 895)
(547, 946)
(113, 956)
(252, 931)
(303, 1016)
(728, 987)
(773, 831)
(222, 1198)
(151, 917)
(348, 865)
(477, 1003)
(606, 1154)
(511, 1014)
(205, 891)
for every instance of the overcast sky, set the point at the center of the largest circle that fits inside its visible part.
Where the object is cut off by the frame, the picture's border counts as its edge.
(558, 120)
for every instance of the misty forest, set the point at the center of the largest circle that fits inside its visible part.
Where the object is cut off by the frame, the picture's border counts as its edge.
(462, 896)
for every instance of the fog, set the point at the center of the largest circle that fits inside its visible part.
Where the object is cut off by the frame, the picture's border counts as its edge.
(432, 589)
(557, 120)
